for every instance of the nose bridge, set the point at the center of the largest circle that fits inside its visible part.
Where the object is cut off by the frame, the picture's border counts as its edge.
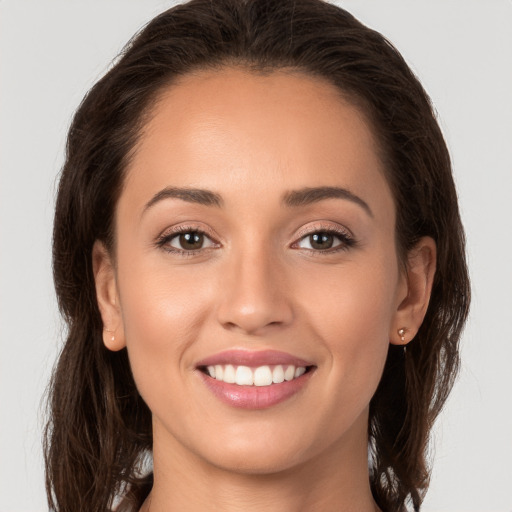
(254, 291)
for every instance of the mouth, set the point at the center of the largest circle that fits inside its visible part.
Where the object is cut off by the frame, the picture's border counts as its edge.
(254, 379)
(265, 375)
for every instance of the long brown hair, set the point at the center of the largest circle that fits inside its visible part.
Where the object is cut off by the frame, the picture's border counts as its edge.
(99, 430)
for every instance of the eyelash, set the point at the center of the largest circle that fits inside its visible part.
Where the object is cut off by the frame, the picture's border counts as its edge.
(346, 240)
(165, 238)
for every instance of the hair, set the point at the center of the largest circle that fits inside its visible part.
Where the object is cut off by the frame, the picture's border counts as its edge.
(99, 430)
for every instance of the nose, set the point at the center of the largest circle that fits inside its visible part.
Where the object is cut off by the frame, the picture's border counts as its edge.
(253, 294)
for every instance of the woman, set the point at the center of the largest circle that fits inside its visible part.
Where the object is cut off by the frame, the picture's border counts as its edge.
(258, 251)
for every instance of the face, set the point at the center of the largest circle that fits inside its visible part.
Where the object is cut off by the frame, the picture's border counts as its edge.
(255, 243)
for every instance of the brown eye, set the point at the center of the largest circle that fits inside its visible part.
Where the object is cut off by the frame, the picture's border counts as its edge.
(325, 240)
(190, 241)
(321, 240)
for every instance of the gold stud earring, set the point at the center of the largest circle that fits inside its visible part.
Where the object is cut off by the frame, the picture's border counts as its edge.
(401, 333)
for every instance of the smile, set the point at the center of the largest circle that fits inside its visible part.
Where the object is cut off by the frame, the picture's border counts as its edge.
(254, 380)
(261, 376)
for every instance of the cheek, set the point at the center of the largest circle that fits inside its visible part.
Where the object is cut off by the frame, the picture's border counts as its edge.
(352, 311)
(163, 313)
(354, 300)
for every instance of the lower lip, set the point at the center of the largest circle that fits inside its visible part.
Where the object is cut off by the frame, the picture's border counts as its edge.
(255, 397)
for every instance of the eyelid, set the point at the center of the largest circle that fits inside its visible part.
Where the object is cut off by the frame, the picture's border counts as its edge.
(171, 232)
(188, 227)
(324, 227)
(344, 235)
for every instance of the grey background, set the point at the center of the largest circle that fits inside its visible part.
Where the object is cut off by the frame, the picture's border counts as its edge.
(52, 51)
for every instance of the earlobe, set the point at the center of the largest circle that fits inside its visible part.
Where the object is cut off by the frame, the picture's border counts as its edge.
(106, 295)
(420, 271)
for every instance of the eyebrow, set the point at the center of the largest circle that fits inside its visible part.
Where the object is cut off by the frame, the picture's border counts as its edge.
(293, 198)
(307, 196)
(190, 195)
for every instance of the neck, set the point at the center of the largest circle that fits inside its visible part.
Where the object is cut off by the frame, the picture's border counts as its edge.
(336, 479)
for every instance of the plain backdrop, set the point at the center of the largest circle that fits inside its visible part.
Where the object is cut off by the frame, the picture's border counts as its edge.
(52, 51)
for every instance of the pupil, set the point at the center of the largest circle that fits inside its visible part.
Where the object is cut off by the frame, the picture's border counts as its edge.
(321, 241)
(191, 241)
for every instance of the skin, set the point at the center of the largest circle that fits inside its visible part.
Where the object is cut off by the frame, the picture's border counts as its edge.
(259, 285)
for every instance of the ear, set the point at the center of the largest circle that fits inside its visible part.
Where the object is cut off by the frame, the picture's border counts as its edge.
(415, 295)
(107, 297)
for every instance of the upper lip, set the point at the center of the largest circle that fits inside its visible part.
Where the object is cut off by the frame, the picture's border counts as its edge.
(253, 358)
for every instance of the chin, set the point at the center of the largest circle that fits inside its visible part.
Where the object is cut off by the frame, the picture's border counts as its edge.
(256, 461)
(264, 449)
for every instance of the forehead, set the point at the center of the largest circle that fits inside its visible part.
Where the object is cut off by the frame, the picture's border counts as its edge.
(234, 131)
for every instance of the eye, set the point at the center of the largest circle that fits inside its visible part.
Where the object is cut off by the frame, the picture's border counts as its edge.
(190, 241)
(185, 240)
(321, 240)
(325, 240)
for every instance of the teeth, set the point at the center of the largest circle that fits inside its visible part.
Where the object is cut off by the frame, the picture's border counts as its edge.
(299, 371)
(278, 374)
(261, 376)
(289, 374)
(229, 374)
(244, 376)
